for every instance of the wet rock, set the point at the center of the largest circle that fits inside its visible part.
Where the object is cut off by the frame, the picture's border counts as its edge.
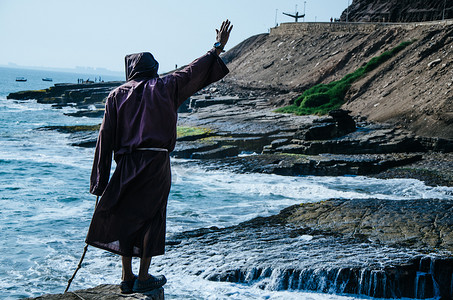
(187, 149)
(281, 135)
(340, 124)
(72, 128)
(434, 169)
(249, 144)
(320, 165)
(224, 151)
(26, 95)
(198, 103)
(242, 120)
(279, 143)
(86, 95)
(104, 292)
(424, 224)
(437, 144)
(344, 122)
(371, 142)
(98, 113)
(290, 148)
(324, 131)
(185, 107)
(84, 139)
(326, 247)
(66, 93)
(194, 137)
(79, 135)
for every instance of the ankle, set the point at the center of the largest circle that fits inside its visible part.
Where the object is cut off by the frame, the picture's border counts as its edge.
(143, 277)
(128, 277)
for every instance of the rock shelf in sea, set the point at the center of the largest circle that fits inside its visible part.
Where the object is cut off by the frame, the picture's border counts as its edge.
(88, 97)
(367, 247)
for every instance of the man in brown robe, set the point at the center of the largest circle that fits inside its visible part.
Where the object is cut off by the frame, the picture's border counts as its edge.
(139, 127)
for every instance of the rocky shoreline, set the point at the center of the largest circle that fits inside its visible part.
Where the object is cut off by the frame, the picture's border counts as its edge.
(405, 246)
(240, 131)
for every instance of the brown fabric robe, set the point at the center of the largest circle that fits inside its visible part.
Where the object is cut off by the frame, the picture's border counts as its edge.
(142, 113)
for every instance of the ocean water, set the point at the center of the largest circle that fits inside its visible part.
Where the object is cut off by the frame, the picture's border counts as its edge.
(46, 208)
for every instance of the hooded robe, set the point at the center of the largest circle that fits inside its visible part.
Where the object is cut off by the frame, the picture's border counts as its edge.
(130, 217)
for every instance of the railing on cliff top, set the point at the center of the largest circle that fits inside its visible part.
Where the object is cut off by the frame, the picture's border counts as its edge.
(367, 27)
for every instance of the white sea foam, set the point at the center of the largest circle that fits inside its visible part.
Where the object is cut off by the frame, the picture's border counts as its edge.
(217, 198)
(222, 290)
(181, 286)
(308, 188)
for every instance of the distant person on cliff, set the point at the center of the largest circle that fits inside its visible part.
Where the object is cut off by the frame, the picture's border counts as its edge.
(139, 127)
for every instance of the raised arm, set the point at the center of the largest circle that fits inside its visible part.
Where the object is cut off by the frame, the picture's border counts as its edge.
(201, 72)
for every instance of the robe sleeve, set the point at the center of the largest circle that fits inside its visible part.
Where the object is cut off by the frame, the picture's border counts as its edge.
(100, 172)
(200, 73)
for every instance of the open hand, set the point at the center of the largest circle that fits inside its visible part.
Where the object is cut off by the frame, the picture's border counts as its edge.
(224, 33)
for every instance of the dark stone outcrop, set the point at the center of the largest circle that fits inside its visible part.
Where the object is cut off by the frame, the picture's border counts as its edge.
(97, 113)
(398, 11)
(339, 124)
(319, 165)
(187, 149)
(80, 136)
(224, 151)
(407, 280)
(208, 101)
(82, 96)
(421, 224)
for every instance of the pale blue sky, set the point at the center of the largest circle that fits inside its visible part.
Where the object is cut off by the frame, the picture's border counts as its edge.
(63, 33)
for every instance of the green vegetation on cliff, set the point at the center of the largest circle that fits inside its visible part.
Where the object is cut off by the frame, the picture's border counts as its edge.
(322, 98)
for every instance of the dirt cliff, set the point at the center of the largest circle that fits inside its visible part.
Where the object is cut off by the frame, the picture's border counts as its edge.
(411, 90)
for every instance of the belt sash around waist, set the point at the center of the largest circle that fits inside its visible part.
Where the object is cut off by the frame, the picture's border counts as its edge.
(152, 149)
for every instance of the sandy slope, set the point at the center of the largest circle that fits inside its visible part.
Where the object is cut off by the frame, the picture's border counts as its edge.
(414, 89)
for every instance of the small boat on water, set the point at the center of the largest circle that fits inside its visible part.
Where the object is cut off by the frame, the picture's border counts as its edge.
(47, 79)
(21, 79)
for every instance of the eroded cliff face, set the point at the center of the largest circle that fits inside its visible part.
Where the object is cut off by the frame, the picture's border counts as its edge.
(398, 11)
(413, 89)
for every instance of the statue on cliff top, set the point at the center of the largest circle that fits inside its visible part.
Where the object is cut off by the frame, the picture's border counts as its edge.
(296, 16)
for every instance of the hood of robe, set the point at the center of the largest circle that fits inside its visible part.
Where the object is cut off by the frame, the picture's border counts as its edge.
(141, 65)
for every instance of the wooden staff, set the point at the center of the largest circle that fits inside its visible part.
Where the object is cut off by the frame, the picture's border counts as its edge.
(81, 259)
